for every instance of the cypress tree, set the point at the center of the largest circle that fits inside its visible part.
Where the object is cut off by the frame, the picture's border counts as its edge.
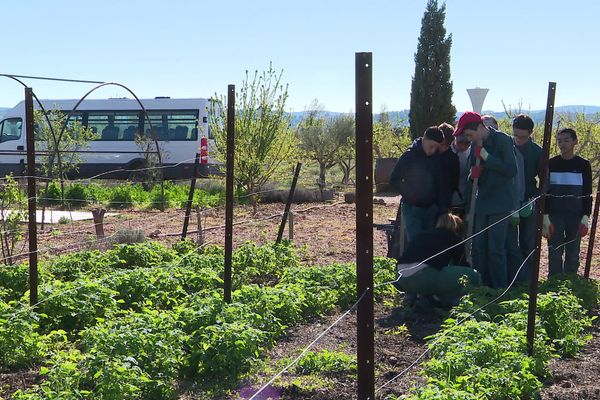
(431, 91)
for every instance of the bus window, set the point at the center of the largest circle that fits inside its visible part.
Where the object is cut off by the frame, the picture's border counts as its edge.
(127, 122)
(174, 125)
(10, 129)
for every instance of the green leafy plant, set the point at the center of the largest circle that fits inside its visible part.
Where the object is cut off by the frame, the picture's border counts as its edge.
(325, 361)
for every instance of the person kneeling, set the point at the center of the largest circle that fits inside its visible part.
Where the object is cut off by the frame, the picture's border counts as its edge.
(434, 263)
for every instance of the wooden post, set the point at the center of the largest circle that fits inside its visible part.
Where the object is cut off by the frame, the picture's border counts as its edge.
(590, 251)
(31, 201)
(188, 206)
(288, 204)
(291, 226)
(365, 336)
(98, 215)
(535, 271)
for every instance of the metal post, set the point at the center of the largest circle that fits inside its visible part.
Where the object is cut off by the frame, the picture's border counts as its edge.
(200, 237)
(364, 226)
(288, 204)
(535, 271)
(31, 200)
(229, 191)
(590, 251)
(188, 207)
(291, 226)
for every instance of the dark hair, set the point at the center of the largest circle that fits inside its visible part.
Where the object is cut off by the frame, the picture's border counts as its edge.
(448, 131)
(569, 131)
(472, 125)
(434, 133)
(523, 121)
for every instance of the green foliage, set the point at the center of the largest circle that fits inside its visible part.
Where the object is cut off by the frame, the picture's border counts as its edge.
(325, 361)
(389, 140)
(76, 195)
(145, 348)
(121, 197)
(14, 280)
(326, 141)
(262, 264)
(11, 199)
(64, 374)
(20, 343)
(264, 142)
(69, 267)
(431, 90)
(147, 254)
(73, 306)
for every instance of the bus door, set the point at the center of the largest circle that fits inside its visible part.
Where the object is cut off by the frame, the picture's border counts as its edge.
(12, 147)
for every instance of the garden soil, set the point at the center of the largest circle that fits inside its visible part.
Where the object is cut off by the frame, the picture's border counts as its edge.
(324, 233)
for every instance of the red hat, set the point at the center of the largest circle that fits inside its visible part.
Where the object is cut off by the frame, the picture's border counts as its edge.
(467, 118)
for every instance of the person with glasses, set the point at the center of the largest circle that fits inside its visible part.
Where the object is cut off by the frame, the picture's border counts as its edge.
(522, 127)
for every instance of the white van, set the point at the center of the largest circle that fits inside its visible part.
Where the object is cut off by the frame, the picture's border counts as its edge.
(179, 125)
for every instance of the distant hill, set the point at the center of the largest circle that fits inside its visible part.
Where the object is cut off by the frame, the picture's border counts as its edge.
(2, 111)
(402, 116)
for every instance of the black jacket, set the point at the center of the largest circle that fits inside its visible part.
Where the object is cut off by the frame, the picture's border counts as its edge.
(417, 177)
(450, 168)
(430, 243)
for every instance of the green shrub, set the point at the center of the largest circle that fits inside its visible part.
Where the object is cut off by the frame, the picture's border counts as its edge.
(140, 349)
(325, 361)
(20, 343)
(14, 279)
(76, 195)
(90, 263)
(144, 255)
(74, 306)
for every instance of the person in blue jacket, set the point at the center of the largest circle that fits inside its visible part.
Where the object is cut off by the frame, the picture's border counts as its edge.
(416, 176)
(495, 196)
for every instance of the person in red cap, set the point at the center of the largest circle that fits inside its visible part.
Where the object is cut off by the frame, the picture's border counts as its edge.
(495, 195)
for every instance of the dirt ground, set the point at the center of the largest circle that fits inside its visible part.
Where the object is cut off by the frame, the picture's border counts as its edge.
(323, 233)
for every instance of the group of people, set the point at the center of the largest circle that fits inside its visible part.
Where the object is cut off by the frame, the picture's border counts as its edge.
(477, 174)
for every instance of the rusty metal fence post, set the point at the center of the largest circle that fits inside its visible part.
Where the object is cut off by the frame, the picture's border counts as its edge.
(229, 192)
(364, 226)
(31, 198)
(535, 271)
(590, 250)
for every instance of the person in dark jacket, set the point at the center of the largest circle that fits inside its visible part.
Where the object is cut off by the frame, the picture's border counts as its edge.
(434, 262)
(416, 177)
(450, 166)
(522, 127)
(495, 199)
(568, 205)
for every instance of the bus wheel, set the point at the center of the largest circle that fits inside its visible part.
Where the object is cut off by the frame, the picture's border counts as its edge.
(139, 174)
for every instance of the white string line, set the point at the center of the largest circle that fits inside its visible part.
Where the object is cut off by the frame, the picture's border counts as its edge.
(104, 278)
(430, 345)
(310, 345)
(460, 243)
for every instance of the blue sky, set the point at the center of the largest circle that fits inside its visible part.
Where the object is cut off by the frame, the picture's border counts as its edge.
(182, 48)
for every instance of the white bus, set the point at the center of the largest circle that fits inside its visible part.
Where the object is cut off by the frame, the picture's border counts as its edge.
(179, 125)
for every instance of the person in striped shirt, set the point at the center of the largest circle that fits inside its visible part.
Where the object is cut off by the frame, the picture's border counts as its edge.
(568, 205)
